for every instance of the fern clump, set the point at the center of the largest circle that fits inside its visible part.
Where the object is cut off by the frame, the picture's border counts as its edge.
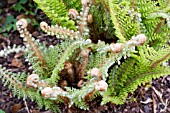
(107, 52)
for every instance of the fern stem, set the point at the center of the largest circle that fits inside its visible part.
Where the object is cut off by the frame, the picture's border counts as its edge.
(83, 21)
(105, 6)
(133, 4)
(159, 25)
(85, 54)
(9, 50)
(159, 60)
(34, 47)
(58, 30)
(21, 26)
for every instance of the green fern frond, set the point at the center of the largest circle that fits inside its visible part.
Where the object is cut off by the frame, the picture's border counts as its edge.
(135, 72)
(129, 66)
(16, 82)
(76, 4)
(118, 29)
(56, 11)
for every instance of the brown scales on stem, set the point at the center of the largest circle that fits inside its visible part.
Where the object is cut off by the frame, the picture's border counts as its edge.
(83, 65)
(159, 25)
(68, 71)
(83, 21)
(160, 60)
(35, 49)
(133, 4)
(105, 6)
(22, 24)
(44, 26)
(85, 55)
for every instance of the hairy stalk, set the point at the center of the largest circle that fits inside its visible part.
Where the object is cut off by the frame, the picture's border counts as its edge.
(9, 50)
(83, 19)
(58, 30)
(21, 26)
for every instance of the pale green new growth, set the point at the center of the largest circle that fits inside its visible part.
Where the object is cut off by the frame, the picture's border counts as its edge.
(109, 48)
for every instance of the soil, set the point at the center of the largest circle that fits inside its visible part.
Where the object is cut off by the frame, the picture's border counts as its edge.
(151, 98)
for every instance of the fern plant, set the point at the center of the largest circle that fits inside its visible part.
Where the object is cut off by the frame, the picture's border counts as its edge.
(110, 48)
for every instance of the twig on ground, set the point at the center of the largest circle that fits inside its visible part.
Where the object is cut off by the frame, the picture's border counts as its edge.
(146, 101)
(25, 103)
(159, 94)
(166, 105)
(154, 102)
(164, 78)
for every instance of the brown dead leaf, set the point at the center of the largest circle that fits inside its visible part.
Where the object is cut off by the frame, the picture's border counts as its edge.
(35, 111)
(18, 55)
(10, 95)
(11, 1)
(2, 20)
(154, 102)
(17, 62)
(16, 108)
(35, 34)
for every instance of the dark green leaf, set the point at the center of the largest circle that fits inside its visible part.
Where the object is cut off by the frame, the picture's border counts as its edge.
(1, 111)
(5, 34)
(8, 28)
(23, 1)
(9, 19)
(28, 20)
(1, 30)
(18, 7)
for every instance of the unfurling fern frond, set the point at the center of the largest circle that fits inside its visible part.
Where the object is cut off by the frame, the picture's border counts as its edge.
(16, 82)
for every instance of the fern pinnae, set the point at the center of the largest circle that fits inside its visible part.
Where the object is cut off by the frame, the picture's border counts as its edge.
(8, 76)
(118, 32)
(12, 49)
(73, 3)
(141, 74)
(56, 11)
(67, 53)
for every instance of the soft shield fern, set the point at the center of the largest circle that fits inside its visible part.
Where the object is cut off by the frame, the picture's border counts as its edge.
(107, 52)
(134, 72)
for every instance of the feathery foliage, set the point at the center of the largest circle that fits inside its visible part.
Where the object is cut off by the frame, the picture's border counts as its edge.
(109, 48)
(134, 72)
(16, 82)
(56, 11)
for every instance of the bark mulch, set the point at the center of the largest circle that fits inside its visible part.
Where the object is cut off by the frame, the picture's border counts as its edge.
(151, 98)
